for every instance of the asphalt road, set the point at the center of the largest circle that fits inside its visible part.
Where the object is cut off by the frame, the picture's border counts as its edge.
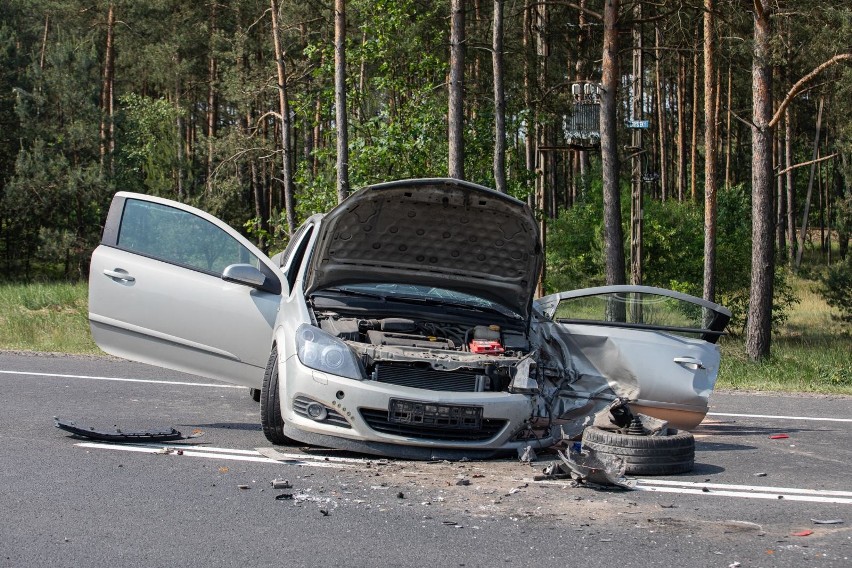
(65, 502)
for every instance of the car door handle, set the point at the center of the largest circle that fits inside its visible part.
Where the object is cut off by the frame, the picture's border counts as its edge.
(690, 362)
(119, 274)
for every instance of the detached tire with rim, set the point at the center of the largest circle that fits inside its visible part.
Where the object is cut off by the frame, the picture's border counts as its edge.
(645, 455)
(270, 403)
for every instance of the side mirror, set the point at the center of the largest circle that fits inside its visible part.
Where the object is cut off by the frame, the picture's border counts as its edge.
(245, 274)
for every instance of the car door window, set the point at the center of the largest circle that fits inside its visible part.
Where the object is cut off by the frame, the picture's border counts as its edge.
(639, 307)
(179, 237)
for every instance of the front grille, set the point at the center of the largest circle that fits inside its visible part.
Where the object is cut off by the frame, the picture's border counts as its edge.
(419, 377)
(300, 406)
(378, 421)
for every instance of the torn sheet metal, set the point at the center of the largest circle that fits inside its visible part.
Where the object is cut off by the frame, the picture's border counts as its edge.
(589, 468)
(117, 434)
(573, 387)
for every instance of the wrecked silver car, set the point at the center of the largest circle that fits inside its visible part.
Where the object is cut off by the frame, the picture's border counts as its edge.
(402, 323)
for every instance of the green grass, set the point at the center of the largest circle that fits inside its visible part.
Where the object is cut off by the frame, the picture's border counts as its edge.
(45, 317)
(811, 352)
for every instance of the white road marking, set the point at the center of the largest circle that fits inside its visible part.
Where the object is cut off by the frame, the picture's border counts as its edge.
(740, 491)
(214, 453)
(745, 494)
(815, 418)
(274, 454)
(756, 488)
(119, 379)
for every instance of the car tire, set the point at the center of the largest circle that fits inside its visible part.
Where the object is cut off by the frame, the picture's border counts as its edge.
(645, 455)
(270, 403)
(255, 394)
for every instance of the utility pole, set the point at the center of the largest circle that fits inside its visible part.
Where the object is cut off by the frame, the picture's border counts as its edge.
(637, 124)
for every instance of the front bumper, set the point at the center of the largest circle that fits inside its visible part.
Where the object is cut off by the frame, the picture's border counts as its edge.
(356, 418)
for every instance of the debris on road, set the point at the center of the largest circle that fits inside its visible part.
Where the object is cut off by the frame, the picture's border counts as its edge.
(551, 473)
(284, 497)
(760, 474)
(243, 487)
(592, 470)
(827, 521)
(281, 484)
(462, 480)
(806, 532)
(527, 454)
(119, 435)
(778, 437)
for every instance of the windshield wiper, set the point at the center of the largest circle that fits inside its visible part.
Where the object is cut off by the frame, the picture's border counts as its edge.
(348, 292)
(459, 304)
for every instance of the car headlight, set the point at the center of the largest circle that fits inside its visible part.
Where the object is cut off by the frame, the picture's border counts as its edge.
(318, 350)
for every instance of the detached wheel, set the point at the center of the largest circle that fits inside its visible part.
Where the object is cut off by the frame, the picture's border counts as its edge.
(645, 455)
(270, 403)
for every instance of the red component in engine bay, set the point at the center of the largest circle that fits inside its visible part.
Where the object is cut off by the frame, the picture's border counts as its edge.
(486, 347)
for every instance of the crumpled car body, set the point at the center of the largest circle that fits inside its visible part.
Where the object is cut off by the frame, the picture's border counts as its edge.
(403, 322)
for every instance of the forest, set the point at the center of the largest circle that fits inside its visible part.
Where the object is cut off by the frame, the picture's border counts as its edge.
(698, 145)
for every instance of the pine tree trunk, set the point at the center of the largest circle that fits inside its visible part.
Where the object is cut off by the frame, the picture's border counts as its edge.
(531, 121)
(107, 130)
(681, 128)
(710, 151)
(543, 159)
(780, 196)
(341, 119)
(693, 147)
(661, 115)
(613, 234)
(759, 324)
(728, 135)
(581, 166)
(791, 188)
(289, 192)
(455, 165)
(211, 99)
(179, 139)
(499, 99)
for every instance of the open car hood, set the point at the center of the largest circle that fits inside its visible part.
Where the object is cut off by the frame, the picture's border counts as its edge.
(444, 233)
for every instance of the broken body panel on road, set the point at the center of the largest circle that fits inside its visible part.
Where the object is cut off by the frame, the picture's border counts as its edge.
(401, 323)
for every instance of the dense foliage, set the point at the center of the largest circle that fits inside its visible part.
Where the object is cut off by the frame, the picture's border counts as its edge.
(180, 99)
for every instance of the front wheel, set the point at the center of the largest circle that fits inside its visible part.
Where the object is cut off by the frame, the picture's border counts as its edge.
(270, 403)
(645, 455)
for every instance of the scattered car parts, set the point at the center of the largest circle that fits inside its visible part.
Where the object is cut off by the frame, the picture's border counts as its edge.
(117, 434)
(595, 470)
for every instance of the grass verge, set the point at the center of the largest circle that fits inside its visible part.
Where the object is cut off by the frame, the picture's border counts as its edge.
(811, 352)
(50, 317)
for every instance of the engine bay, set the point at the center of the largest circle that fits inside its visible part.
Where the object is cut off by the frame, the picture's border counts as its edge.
(426, 354)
